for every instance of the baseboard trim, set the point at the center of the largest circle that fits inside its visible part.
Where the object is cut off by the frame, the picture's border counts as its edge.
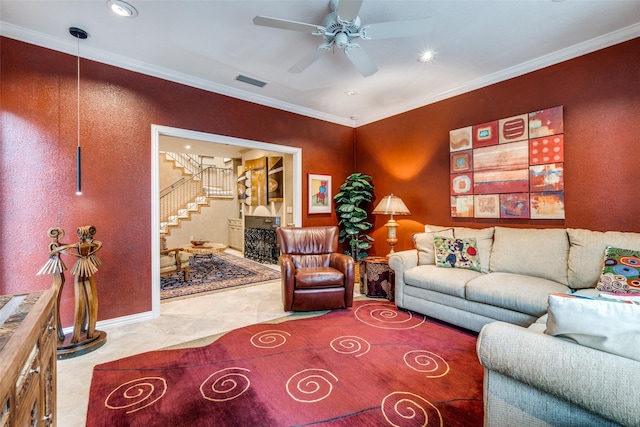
(118, 321)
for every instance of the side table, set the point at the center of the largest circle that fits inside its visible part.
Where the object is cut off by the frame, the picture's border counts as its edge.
(205, 249)
(377, 279)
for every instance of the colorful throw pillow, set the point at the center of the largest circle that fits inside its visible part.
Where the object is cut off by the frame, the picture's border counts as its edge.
(456, 253)
(621, 271)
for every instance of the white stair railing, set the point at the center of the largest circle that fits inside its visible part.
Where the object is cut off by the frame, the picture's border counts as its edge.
(186, 196)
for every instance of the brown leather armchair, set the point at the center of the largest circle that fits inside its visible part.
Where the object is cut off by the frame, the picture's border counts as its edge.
(314, 275)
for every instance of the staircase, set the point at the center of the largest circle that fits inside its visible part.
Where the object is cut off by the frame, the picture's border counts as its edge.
(199, 185)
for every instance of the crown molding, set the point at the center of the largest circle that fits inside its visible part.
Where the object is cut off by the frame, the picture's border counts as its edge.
(66, 46)
(583, 48)
(70, 47)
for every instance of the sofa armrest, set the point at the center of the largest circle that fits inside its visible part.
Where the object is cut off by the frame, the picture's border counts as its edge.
(600, 382)
(400, 262)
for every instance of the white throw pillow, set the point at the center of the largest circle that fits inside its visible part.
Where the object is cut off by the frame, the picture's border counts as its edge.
(484, 240)
(424, 243)
(605, 323)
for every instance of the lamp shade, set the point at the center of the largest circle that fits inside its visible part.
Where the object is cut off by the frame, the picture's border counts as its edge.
(391, 205)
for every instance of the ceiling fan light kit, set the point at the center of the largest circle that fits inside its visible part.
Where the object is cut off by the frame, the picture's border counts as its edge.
(340, 28)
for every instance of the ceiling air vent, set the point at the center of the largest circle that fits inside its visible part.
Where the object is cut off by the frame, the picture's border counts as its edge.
(251, 81)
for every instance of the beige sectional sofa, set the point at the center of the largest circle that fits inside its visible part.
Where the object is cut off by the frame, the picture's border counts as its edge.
(531, 378)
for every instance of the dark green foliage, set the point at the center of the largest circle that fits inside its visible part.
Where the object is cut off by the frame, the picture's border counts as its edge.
(356, 189)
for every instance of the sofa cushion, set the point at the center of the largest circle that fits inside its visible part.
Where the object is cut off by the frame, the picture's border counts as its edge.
(532, 252)
(484, 240)
(587, 252)
(608, 325)
(621, 271)
(525, 294)
(449, 281)
(424, 243)
(456, 253)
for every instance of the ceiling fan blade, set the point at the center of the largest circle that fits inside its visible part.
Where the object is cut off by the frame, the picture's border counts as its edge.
(307, 60)
(285, 24)
(349, 9)
(387, 30)
(360, 59)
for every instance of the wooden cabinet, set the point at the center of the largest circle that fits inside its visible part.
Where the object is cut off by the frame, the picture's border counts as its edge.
(236, 235)
(28, 359)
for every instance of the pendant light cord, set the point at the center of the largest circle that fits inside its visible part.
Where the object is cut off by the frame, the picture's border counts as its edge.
(78, 89)
(78, 33)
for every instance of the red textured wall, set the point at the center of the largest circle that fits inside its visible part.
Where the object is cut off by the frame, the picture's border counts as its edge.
(600, 93)
(37, 182)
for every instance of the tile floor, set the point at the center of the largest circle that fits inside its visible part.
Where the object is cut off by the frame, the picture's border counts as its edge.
(180, 321)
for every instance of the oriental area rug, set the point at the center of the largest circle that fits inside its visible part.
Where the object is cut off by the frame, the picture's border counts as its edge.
(214, 273)
(369, 365)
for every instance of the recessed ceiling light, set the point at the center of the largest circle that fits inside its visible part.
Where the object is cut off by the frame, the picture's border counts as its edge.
(351, 93)
(122, 8)
(426, 56)
(188, 147)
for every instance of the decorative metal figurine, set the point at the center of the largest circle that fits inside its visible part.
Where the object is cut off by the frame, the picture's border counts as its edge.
(85, 337)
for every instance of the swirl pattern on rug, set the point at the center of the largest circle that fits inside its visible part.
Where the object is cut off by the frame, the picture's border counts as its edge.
(371, 364)
(404, 409)
(384, 316)
(225, 384)
(136, 394)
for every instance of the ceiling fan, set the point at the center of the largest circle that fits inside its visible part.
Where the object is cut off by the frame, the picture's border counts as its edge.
(340, 28)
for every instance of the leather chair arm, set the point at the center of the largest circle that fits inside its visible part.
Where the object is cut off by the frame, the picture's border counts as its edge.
(287, 271)
(341, 262)
(344, 263)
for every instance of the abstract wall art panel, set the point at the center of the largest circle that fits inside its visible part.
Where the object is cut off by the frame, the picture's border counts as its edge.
(460, 139)
(501, 181)
(547, 177)
(549, 149)
(462, 206)
(485, 134)
(514, 205)
(257, 170)
(547, 205)
(461, 184)
(501, 168)
(486, 206)
(275, 179)
(461, 161)
(509, 168)
(513, 129)
(546, 122)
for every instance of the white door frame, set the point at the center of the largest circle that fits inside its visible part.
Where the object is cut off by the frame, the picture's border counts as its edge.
(156, 132)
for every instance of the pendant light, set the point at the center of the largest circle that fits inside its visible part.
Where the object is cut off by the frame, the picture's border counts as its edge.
(78, 33)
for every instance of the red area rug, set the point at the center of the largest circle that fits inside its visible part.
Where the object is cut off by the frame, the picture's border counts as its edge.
(371, 365)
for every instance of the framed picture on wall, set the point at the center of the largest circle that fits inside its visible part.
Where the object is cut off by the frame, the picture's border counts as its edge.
(319, 193)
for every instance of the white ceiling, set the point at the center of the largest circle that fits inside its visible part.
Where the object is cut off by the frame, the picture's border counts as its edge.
(206, 44)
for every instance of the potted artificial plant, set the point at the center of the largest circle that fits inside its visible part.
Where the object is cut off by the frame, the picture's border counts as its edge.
(356, 189)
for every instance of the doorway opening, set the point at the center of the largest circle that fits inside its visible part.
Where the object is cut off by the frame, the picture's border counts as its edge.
(157, 132)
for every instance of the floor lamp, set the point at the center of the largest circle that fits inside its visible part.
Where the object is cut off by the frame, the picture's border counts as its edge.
(391, 205)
